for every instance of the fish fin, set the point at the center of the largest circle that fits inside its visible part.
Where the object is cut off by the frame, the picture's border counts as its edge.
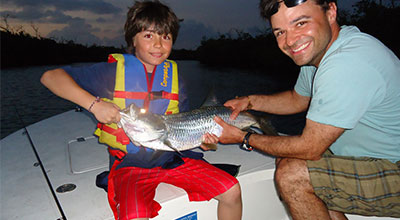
(216, 130)
(168, 144)
(213, 147)
(211, 99)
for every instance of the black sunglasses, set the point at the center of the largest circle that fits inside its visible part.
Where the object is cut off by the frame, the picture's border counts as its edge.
(289, 3)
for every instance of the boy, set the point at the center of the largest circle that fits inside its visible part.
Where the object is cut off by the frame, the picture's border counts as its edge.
(146, 78)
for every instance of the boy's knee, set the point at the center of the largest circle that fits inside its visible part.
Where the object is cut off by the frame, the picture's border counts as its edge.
(235, 192)
(231, 195)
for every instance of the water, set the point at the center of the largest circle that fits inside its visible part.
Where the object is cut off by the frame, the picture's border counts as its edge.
(22, 92)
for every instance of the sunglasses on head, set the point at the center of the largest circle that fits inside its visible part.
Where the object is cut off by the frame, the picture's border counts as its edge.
(289, 3)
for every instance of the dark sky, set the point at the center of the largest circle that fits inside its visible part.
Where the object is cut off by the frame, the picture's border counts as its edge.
(101, 21)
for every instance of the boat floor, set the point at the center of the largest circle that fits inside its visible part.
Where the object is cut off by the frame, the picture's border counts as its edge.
(71, 155)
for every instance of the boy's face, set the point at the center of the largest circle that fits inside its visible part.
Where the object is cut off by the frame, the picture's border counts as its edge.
(151, 48)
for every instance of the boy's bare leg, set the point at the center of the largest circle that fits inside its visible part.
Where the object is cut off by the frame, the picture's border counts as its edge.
(293, 182)
(230, 204)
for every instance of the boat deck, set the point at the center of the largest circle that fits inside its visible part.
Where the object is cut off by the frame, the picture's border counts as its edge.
(71, 155)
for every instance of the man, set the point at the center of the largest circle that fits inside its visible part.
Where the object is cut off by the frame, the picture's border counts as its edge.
(347, 158)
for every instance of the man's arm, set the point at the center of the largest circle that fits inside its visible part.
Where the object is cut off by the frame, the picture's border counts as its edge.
(284, 103)
(310, 145)
(63, 85)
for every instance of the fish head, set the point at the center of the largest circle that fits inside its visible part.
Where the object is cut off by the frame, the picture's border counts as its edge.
(142, 126)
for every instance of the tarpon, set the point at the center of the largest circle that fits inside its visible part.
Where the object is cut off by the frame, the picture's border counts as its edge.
(182, 131)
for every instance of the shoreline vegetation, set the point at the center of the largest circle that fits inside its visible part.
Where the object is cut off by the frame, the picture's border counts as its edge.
(20, 49)
(238, 50)
(260, 52)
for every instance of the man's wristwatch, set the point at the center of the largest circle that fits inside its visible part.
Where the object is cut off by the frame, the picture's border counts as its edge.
(245, 143)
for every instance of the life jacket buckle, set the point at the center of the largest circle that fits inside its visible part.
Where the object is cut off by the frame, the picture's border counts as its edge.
(119, 133)
(117, 154)
(157, 95)
(122, 138)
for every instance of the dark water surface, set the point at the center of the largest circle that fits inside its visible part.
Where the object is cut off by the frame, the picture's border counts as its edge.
(22, 92)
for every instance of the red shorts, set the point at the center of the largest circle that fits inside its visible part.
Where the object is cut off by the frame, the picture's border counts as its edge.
(135, 187)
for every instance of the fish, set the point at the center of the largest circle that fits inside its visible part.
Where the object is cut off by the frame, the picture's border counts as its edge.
(181, 131)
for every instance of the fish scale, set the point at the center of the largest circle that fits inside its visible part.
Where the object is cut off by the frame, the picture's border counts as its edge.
(182, 131)
(187, 129)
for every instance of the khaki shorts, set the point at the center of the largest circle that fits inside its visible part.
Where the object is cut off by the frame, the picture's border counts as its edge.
(357, 185)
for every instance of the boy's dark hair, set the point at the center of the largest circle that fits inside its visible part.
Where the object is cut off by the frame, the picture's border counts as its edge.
(142, 15)
(267, 5)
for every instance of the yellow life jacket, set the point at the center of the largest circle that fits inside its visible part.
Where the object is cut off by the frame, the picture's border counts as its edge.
(158, 93)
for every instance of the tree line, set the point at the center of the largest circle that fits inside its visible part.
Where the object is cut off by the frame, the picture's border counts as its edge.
(262, 52)
(22, 49)
(19, 48)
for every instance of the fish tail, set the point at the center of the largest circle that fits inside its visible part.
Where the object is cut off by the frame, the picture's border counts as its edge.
(264, 124)
(168, 144)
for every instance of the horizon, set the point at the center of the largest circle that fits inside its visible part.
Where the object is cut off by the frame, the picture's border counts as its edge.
(101, 22)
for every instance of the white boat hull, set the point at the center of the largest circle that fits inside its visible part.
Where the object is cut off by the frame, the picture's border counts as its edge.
(70, 159)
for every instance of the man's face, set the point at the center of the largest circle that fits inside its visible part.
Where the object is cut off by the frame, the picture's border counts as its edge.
(151, 48)
(304, 32)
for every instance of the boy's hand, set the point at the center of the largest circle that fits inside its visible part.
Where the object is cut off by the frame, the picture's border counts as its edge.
(237, 105)
(106, 112)
(208, 139)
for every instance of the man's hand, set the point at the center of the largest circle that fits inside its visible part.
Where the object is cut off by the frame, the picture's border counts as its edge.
(237, 105)
(106, 112)
(230, 134)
